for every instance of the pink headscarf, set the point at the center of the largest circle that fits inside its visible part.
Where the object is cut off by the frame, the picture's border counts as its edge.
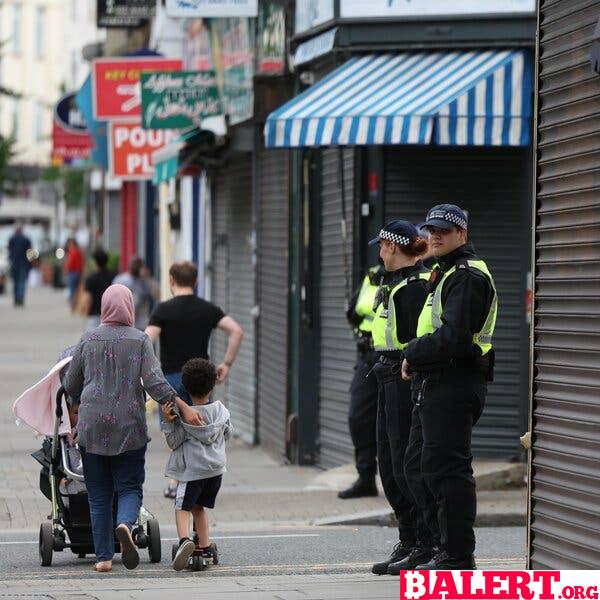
(117, 306)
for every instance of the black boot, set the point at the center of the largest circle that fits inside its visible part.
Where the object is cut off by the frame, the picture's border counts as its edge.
(400, 551)
(361, 488)
(443, 561)
(419, 555)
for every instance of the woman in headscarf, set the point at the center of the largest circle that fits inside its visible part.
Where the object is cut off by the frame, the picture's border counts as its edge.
(113, 365)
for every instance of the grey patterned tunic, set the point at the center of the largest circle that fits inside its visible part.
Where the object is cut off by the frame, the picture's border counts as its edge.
(112, 366)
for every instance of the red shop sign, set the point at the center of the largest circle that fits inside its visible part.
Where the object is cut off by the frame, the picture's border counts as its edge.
(131, 147)
(116, 84)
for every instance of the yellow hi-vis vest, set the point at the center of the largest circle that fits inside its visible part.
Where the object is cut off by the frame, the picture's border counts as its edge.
(384, 333)
(430, 318)
(365, 301)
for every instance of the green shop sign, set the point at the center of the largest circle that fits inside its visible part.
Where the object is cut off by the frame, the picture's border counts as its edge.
(178, 100)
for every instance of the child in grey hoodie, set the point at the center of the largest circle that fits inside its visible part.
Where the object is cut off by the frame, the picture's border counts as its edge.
(198, 460)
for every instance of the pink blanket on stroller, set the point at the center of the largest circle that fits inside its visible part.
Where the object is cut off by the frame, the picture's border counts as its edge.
(37, 406)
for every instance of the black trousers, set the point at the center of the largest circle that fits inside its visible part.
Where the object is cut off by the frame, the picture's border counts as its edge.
(393, 430)
(438, 459)
(362, 416)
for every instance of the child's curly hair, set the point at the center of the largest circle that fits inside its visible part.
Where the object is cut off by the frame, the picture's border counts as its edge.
(199, 377)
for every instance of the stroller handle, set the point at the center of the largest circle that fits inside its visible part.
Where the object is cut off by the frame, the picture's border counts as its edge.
(59, 396)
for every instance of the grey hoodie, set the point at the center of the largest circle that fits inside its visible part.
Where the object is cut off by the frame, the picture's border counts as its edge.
(198, 451)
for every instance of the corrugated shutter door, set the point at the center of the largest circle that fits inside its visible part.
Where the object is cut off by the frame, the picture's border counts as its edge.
(220, 263)
(236, 285)
(273, 298)
(489, 183)
(566, 420)
(338, 350)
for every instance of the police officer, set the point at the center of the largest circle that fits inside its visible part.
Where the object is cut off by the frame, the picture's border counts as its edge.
(398, 307)
(451, 360)
(362, 416)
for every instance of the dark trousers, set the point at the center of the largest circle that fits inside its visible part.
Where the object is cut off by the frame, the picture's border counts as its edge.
(393, 429)
(438, 459)
(362, 417)
(106, 476)
(19, 276)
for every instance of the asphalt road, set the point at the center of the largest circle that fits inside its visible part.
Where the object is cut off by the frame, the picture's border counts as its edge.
(281, 551)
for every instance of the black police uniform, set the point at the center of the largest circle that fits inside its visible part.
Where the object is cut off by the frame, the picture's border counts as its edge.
(394, 416)
(451, 381)
(362, 414)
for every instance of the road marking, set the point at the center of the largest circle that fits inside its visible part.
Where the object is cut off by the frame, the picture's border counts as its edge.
(212, 537)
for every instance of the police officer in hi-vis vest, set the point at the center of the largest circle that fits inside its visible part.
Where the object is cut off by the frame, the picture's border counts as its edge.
(398, 307)
(362, 415)
(450, 362)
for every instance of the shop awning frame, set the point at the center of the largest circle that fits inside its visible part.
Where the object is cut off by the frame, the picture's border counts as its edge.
(459, 98)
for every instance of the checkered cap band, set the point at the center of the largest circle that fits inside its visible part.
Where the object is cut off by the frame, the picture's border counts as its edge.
(448, 216)
(394, 237)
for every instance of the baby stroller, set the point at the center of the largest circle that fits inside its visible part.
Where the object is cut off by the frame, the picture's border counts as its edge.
(69, 525)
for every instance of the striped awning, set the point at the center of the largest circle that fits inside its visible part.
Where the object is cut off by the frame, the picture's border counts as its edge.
(466, 98)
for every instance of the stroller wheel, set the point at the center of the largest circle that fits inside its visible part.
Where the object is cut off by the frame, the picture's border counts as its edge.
(46, 544)
(154, 543)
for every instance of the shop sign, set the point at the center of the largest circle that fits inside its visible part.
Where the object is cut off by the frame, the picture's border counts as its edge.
(310, 13)
(179, 100)
(124, 13)
(233, 55)
(315, 47)
(212, 8)
(116, 84)
(351, 9)
(70, 136)
(271, 39)
(131, 147)
(197, 51)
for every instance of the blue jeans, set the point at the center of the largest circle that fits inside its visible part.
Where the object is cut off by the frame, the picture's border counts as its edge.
(106, 476)
(174, 380)
(73, 279)
(19, 275)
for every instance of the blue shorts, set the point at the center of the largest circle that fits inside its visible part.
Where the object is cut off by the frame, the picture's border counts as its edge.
(202, 492)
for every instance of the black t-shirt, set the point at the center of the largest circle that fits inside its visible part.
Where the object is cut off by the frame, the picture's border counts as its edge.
(96, 285)
(186, 323)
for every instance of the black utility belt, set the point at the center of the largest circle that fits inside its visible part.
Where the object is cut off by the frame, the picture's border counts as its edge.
(390, 361)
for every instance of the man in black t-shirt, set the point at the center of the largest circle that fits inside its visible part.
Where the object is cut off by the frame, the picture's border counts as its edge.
(184, 325)
(95, 286)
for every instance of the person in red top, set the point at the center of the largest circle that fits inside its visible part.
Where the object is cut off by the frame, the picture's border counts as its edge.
(74, 268)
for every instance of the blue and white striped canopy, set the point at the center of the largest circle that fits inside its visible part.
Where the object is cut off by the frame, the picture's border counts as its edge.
(466, 98)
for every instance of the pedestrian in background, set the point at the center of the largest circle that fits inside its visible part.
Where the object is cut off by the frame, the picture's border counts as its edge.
(74, 265)
(184, 325)
(18, 245)
(450, 360)
(95, 286)
(362, 414)
(113, 367)
(141, 289)
(399, 304)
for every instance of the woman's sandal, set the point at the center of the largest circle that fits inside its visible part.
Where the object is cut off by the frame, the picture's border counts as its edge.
(103, 566)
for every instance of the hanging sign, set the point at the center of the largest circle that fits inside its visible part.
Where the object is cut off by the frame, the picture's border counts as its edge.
(212, 8)
(270, 44)
(70, 136)
(124, 13)
(179, 100)
(131, 147)
(116, 83)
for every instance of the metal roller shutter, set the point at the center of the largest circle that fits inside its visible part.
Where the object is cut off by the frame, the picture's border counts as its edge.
(489, 183)
(234, 278)
(565, 515)
(273, 298)
(338, 351)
